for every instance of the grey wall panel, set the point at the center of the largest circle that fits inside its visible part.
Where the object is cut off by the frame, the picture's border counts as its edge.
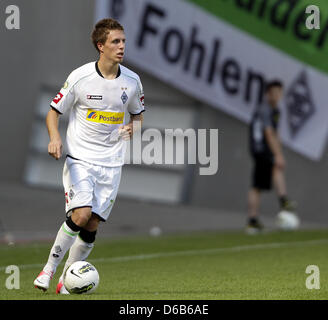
(53, 40)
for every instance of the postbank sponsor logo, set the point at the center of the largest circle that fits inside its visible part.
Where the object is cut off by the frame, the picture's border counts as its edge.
(105, 117)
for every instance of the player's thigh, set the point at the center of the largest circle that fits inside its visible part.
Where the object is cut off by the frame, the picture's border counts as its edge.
(105, 192)
(78, 184)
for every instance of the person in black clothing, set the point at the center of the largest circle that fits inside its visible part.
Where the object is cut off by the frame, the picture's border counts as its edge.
(266, 152)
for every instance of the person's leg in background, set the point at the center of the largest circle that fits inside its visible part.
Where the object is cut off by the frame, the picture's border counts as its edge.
(279, 182)
(261, 181)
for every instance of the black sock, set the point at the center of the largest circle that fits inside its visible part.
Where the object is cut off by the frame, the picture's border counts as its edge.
(283, 200)
(88, 236)
(252, 220)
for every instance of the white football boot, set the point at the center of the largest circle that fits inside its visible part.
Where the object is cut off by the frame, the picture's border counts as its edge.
(42, 281)
(60, 287)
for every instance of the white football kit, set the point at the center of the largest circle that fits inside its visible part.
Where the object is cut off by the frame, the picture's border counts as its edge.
(96, 152)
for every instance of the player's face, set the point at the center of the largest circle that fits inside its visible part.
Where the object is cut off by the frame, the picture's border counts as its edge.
(113, 48)
(274, 95)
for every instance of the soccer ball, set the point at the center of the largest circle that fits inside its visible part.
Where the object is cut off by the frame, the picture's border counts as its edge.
(287, 220)
(81, 277)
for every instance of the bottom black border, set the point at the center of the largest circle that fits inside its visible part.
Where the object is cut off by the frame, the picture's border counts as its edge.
(170, 309)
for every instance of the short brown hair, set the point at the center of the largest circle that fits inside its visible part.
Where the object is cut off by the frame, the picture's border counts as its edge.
(102, 29)
(273, 84)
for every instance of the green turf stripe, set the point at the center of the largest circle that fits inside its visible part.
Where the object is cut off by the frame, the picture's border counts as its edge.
(210, 251)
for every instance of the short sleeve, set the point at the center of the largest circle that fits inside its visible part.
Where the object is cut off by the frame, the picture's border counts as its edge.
(265, 115)
(64, 98)
(137, 105)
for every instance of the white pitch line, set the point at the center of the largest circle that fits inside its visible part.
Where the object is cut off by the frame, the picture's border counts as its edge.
(272, 245)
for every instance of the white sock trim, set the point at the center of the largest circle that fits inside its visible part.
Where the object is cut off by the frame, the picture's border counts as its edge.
(68, 230)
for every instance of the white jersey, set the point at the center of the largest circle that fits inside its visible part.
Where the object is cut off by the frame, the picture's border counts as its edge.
(97, 108)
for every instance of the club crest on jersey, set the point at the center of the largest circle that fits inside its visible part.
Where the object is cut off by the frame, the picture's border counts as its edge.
(124, 97)
(71, 194)
(105, 117)
(94, 97)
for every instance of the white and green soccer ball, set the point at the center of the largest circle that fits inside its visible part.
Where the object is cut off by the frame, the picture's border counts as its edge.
(287, 220)
(81, 277)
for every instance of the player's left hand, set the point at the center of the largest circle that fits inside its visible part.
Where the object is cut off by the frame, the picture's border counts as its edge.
(279, 161)
(125, 132)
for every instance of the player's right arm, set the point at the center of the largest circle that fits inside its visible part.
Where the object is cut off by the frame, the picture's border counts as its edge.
(55, 146)
(63, 101)
(275, 147)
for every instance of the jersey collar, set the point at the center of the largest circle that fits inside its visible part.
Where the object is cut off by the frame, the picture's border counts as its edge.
(98, 71)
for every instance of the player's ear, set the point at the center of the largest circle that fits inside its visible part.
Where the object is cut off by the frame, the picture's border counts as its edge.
(100, 47)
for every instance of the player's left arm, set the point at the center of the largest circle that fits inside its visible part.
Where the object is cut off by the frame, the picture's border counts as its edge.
(130, 128)
(136, 108)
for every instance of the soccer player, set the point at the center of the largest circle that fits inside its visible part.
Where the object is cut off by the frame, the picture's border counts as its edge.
(266, 151)
(97, 94)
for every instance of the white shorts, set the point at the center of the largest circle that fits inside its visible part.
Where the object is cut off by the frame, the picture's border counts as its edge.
(88, 185)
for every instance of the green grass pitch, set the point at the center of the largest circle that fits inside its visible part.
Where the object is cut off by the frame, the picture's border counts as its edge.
(210, 266)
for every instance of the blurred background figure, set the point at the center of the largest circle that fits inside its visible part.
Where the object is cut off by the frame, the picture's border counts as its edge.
(266, 151)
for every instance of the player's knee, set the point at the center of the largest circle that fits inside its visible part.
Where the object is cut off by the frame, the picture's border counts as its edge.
(93, 223)
(81, 216)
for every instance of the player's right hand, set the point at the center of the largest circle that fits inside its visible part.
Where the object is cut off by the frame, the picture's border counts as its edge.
(55, 149)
